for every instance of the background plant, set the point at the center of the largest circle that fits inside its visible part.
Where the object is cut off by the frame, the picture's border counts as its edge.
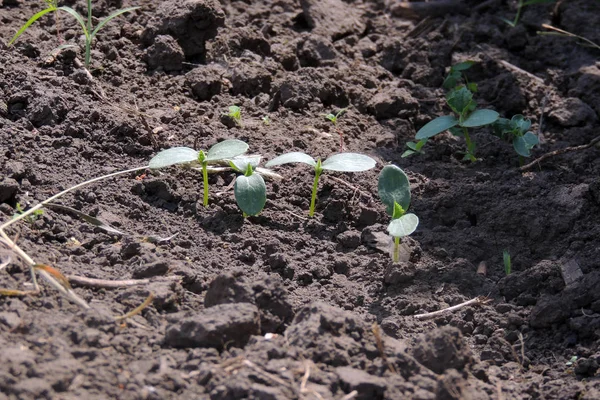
(220, 152)
(235, 113)
(334, 119)
(87, 27)
(520, 5)
(460, 100)
(394, 191)
(516, 130)
(342, 162)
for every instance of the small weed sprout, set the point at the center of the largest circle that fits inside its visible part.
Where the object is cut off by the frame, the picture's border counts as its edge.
(266, 120)
(88, 30)
(31, 218)
(249, 189)
(334, 119)
(394, 191)
(460, 100)
(414, 148)
(520, 5)
(507, 262)
(235, 113)
(218, 153)
(517, 131)
(342, 162)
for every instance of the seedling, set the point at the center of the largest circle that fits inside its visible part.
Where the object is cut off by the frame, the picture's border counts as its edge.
(220, 152)
(235, 113)
(266, 120)
(342, 162)
(394, 192)
(520, 5)
(31, 218)
(460, 100)
(507, 262)
(517, 131)
(334, 119)
(456, 73)
(249, 189)
(414, 148)
(88, 30)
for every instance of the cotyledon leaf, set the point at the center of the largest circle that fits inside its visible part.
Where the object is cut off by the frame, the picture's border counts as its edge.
(293, 157)
(175, 155)
(226, 149)
(393, 186)
(250, 193)
(438, 125)
(403, 226)
(348, 162)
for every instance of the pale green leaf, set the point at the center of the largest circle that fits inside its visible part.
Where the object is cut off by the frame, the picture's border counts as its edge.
(175, 155)
(293, 157)
(240, 164)
(348, 162)
(403, 226)
(480, 118)
(438, 125)
(226, 149)
(112, 16)
(393, 186)
(250, 193)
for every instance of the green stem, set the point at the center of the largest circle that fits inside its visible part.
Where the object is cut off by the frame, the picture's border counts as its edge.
(89, 20)
(469, 145)
(396, 256)
(313, 199)
(88, 51)
(205, 181)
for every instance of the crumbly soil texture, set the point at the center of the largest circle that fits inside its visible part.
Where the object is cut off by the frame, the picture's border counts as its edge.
(280, 305)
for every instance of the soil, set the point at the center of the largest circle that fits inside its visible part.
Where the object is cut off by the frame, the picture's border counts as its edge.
(280, 306)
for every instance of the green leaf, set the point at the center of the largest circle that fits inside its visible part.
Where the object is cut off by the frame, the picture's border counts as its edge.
(462, 66)
(460, 100)
(29, 22)
(250, 193)
(348, 162)
(438, 125)
(226, 149)
(408, 153)
(403, 226)
(451, 80)
(524, 144)
(520, 124)
(393, 187)
(293, 157)
(472, 86)
(175, 155)
(501, 126)
(398, 211)
(78, 17)
(240, 164)
(110, 17)
(480, 118)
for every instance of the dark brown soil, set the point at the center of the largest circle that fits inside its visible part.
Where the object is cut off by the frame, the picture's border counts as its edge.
(280, 306)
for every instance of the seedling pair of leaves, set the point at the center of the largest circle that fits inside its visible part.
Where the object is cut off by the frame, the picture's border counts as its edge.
(88, 30)
(517, 131)
(394, 191)
(334, 119)
(342, 162)
(460, 100)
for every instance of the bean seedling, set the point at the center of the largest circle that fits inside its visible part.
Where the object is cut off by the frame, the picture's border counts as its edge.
(220, 152)
(414, 148)
(394, 191)
(249, 189)
(235, 113)
(342, 162)
(517, 131)
(460, 100)
(334, 119)
(88, 30)
(456, 73)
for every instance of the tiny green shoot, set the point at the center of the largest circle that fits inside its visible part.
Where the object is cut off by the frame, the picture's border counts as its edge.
(220, 152)
(414, 148)
(517, 131)
(266, 120)
(341, 162)
(507, 262)
(456, 73)
(571, 361)
(460, 100)
(249, 189)
(334, 119)
(31, 218)
(394, 191)
(235, 113)
(520, 5)
(88, 30)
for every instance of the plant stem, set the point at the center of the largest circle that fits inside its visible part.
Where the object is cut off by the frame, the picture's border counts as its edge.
(88, 51)
(396, 256)
(205, 182)
(313, 199)
(469, 145)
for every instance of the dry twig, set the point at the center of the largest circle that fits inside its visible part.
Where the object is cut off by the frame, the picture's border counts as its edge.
(559, 152)
(478, 301)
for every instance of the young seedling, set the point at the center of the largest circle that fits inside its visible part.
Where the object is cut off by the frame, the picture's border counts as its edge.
(30, 218)
(414, 148)
(235, 113)
(456, 73)
(342, 162)
(249, 189)
(220, 152)
(394, 191)
(467, 116)
(334, 119)
(88, 30)
(266, 120)
(517, 131)
(520, 5)
(507, 262)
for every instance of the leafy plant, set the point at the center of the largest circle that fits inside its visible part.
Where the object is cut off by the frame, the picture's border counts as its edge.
(88, 30)
(456, 73)
(31, 218)
(235, 113)
(517, 131)
(394, 191)
(460, 100)
(507, 262)
(342, 162)
(220, 152)
(334, 119)
(414, 148)
(520, 5)
(249, 189)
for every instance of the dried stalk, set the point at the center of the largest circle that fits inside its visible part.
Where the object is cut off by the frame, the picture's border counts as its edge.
(478, 301)
(558, 152)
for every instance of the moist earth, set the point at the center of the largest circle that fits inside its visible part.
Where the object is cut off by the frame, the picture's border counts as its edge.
(282, 306)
